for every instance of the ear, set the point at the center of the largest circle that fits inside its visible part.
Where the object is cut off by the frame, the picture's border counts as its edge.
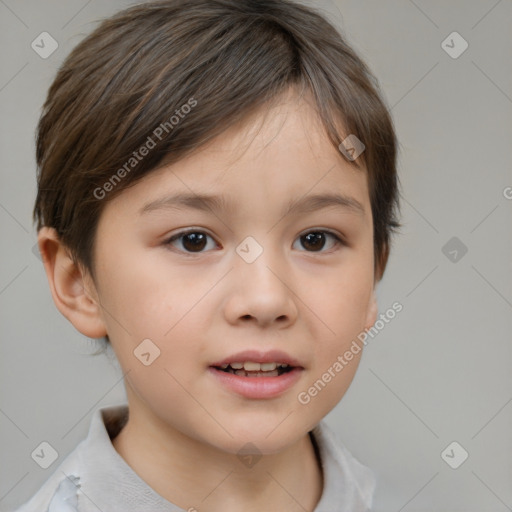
(381, 262)
(73, 290)
(371, 311)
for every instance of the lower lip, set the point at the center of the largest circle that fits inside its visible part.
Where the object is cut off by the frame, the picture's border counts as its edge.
(257, 387)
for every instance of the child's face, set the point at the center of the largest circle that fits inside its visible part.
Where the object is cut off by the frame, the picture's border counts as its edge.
(201, 302)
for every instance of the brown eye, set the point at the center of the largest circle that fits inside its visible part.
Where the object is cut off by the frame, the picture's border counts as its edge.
(194, 242)
(315, 241)
(191, 241)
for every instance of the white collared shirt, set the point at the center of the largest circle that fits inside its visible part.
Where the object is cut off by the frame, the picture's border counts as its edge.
(94, 477)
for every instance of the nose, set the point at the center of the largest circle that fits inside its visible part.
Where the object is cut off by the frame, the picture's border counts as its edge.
(260, 293)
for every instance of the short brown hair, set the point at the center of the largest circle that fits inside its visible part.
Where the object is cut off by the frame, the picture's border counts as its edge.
(141, 67)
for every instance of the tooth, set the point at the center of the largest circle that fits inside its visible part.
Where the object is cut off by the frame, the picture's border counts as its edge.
(252, 367)
(283, 365)
(237, 366)
(266, 367)
(224, 366)
(241, 373)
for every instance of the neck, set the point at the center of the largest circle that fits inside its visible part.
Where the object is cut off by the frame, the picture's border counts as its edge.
(192, 474)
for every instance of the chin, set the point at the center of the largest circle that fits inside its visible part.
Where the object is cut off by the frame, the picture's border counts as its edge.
(267, 437)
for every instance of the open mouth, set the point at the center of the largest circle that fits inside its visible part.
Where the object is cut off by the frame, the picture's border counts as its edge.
(253, 369)
(257, 376)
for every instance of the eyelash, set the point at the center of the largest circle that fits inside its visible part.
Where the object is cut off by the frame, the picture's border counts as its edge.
(338, 240)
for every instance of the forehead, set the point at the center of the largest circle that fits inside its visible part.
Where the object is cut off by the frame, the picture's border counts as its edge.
(278, 154)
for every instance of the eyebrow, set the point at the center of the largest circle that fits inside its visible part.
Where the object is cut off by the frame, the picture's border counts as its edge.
(208, 202)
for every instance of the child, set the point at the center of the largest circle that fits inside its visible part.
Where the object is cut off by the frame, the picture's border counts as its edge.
(217, 189)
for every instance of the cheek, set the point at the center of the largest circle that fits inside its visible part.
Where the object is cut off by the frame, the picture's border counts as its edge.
(145, 297)
(163, 371)
(327, 387)
(335, 366)
(339, 301)
(149, 299)
(339, 308)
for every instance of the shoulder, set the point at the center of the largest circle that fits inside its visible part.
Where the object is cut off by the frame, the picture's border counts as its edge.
(60, 489)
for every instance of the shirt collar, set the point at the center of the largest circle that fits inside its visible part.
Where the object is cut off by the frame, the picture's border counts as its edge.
(348, 485)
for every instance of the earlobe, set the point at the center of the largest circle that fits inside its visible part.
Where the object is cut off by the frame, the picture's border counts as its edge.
(72, 290)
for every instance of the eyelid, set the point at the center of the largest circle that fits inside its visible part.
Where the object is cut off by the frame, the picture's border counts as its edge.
(187, 231)
(335, 234)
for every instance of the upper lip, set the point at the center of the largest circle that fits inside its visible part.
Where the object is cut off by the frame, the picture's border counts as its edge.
(259, 356)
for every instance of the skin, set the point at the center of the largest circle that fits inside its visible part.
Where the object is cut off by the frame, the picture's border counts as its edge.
(185, 428)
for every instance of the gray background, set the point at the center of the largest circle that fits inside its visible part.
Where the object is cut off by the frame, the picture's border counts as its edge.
(439, 372)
